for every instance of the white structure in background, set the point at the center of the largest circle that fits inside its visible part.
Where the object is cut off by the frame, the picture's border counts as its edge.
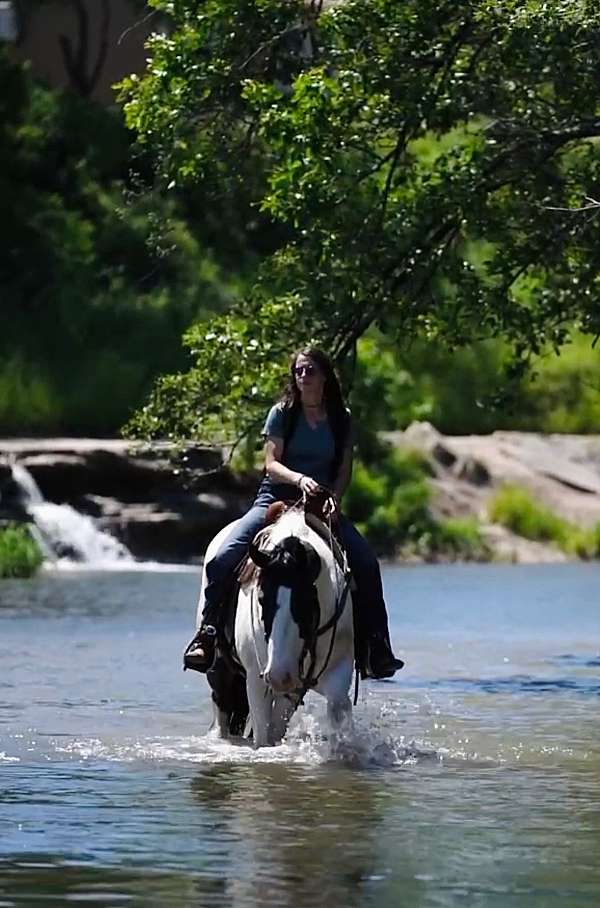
(8, 21)
(64, 535)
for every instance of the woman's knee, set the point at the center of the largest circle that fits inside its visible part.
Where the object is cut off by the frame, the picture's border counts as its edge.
(235, 546)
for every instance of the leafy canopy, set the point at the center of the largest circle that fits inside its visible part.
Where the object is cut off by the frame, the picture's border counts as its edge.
(428, 163)
(98, 277)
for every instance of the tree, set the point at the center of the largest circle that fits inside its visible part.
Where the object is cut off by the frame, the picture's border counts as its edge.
(428, 161)
(98, 278)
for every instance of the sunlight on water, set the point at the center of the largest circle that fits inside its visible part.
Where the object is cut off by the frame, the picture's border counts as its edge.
(471, 779)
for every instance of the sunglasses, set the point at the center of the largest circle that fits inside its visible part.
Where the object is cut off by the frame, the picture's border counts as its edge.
(304, 370)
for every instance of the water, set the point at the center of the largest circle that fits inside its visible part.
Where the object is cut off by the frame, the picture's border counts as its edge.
(65, 536)
(472, 779)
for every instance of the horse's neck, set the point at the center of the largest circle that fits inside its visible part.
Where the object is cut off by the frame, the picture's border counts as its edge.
(291, 523)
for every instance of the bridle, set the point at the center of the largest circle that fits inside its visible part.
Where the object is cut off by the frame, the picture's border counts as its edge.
(310, 637)
(311, 680)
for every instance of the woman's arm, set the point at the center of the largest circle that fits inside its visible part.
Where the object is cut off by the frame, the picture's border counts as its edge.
(280, 473)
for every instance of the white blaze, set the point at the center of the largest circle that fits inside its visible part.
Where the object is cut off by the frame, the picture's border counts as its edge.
(285, 645)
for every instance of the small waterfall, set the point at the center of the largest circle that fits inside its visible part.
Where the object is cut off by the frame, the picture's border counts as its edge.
(62, 532)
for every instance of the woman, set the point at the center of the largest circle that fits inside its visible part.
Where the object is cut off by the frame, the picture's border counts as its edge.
(308, 444)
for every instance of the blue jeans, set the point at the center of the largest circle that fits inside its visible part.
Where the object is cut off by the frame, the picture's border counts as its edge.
(368, 597)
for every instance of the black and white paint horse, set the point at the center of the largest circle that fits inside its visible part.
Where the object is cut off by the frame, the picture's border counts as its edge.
(293, 632)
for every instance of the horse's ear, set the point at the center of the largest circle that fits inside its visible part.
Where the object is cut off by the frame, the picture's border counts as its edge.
(260, 559)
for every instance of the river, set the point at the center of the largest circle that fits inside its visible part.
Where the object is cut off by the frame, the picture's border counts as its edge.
(471, 779)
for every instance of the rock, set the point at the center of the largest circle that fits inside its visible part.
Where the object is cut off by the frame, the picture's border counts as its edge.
(62, 476)
(474, 471)
(443, 455)
(172, 534)
(167, 505)
(562, 472)
(5, 472)
(163, 504)
(515, 549)
(419, 436)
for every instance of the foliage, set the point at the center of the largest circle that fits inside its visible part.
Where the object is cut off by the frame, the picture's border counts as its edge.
(424, 161)
(389, 502)
(517, 509)
(19, 554)
(461, 391)
(565, 394)
(457, 538)
(98, 277)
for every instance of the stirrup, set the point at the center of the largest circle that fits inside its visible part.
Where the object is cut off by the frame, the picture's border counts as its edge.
(199, 654)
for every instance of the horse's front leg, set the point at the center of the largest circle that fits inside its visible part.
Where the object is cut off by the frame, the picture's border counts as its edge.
(281, 713)
(334, 686)
(260, 701)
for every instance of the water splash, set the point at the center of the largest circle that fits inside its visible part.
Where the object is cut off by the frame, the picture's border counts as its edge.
(366, 743)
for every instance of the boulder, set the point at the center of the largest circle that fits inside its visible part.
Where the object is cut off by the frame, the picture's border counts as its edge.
(562, 472)
(151, 531)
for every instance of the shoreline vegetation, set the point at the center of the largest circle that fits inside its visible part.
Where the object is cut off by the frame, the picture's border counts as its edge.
(20, 556)
(515, 507)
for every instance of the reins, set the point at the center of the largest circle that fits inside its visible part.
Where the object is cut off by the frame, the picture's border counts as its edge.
(311, 680)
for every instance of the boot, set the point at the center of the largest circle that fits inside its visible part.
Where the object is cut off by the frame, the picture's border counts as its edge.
(200, 652)
(380, 662)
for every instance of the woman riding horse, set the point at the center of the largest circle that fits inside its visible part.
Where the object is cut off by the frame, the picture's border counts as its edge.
(308, 445)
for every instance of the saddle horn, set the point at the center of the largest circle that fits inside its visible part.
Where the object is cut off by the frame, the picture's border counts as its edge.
(260, 559)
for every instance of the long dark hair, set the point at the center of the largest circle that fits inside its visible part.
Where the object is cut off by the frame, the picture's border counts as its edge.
(333, 400)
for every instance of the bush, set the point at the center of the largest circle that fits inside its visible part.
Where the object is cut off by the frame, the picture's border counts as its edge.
(99, 274)
(389, 502)
(19, 554)
(459, 538)
(516, 509)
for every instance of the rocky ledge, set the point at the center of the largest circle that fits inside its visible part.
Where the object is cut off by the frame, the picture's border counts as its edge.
(561, 471)
(161, 503)
(166, 505)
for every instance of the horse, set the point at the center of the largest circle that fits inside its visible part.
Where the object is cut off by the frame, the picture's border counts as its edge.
(293, 631)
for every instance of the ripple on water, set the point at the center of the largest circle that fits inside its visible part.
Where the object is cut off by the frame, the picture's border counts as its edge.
(517, 684)
(579, 661)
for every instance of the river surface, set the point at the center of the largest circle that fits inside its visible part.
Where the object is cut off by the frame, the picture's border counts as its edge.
(471, 779)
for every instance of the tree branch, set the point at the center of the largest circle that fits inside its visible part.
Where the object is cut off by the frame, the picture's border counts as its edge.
(103, 49)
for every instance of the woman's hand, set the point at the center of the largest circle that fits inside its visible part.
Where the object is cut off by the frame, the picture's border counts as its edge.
(308, 486)
(331, 508)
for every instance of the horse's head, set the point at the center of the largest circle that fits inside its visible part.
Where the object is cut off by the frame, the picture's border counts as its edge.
(290, 607)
